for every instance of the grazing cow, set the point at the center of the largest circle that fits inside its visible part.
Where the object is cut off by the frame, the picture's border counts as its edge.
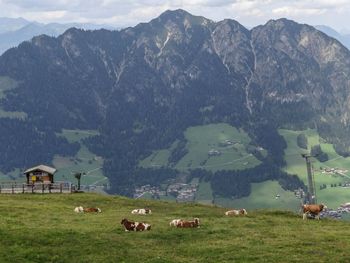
(142, 211)
(188, 224)
(314, 210)
(134, 226)
(80, 209)
(235, 212)
(175, 222)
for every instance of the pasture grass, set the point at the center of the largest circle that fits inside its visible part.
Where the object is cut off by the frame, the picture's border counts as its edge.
(263, 195)
(202, 139)
(44, 228)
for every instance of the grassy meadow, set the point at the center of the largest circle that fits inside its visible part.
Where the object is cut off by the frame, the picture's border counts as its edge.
(83, 161)
(263, 195)
(202, 139)
(44, 228)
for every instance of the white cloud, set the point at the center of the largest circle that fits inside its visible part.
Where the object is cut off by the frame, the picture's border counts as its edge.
(292, 11)
(130, 12)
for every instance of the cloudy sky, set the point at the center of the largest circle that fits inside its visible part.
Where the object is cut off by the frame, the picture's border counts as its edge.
(121, 13)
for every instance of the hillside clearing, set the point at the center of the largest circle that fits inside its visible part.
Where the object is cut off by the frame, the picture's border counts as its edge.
(332, 196)
(44, 228)
(228, 143)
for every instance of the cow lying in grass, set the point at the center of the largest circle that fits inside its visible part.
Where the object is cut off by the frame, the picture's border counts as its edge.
(141, 211)
(80, 209)
(235, 212)
(313, 210)
(188, 224)
(134, 226)
(175, 222)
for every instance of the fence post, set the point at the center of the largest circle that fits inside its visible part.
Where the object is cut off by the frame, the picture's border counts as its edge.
(13, 188)
(42, 188)
(61, 188)
(50, 185)
(32, 188)
(0, 188)
(22, 188)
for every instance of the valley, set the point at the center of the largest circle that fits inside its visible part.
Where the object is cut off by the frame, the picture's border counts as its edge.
(184, 102)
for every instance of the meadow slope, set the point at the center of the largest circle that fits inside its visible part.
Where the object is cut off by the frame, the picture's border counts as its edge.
(44, 228)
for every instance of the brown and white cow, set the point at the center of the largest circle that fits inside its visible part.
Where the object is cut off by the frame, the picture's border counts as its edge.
(175, 222)
(235, 212)
(80, 209)
(188, 224)
(314, 210)
(92, 210)
(142, 211)
(134, 226)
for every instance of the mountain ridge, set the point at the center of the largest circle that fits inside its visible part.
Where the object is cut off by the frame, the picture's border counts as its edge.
(142, 86)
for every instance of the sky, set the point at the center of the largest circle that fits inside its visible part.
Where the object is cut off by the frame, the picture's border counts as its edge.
(122, 13)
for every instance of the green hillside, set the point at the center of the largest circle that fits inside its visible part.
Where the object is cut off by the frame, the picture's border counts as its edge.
(332, 196)
(83, 161)
(263, 195)
(229, 143)
(44, 228)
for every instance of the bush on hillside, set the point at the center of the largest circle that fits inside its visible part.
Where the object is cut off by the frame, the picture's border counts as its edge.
(317, 152)
(302, 141)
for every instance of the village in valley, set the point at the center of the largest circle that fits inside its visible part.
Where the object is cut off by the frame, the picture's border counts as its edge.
(181, 192)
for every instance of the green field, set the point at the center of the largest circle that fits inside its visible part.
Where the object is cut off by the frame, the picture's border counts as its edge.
(202, 139)
(83, 161)
(332, 196)
(44, 228)
(204, 193)
(263, 195)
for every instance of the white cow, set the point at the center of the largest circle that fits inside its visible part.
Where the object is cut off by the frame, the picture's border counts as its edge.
(141, 211)
(79, 209)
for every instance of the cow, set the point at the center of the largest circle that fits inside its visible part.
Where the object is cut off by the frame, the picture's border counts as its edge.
(92, 210)
(175, 222)
(80, 209)
(313, 210)
(141, 211)
(134, 226)
(188, 224)
(235, 212)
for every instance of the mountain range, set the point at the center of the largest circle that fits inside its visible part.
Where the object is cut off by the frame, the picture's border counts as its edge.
(143, 86)
(343, 38)
(13, 31)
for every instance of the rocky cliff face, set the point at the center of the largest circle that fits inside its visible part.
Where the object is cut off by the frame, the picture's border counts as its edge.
(176, 71)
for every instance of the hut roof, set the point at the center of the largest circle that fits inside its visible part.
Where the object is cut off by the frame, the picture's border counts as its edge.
(41, 167)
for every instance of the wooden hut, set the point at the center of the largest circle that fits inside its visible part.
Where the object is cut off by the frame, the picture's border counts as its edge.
(40, 174)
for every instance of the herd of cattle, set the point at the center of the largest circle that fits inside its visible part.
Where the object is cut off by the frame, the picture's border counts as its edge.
(312, 211)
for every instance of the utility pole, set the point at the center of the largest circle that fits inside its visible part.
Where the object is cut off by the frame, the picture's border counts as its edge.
(311, 195)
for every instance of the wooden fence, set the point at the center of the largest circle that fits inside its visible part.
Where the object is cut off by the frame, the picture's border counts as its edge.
(40, 188)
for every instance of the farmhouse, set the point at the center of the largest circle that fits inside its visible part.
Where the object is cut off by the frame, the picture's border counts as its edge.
(40, 174)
